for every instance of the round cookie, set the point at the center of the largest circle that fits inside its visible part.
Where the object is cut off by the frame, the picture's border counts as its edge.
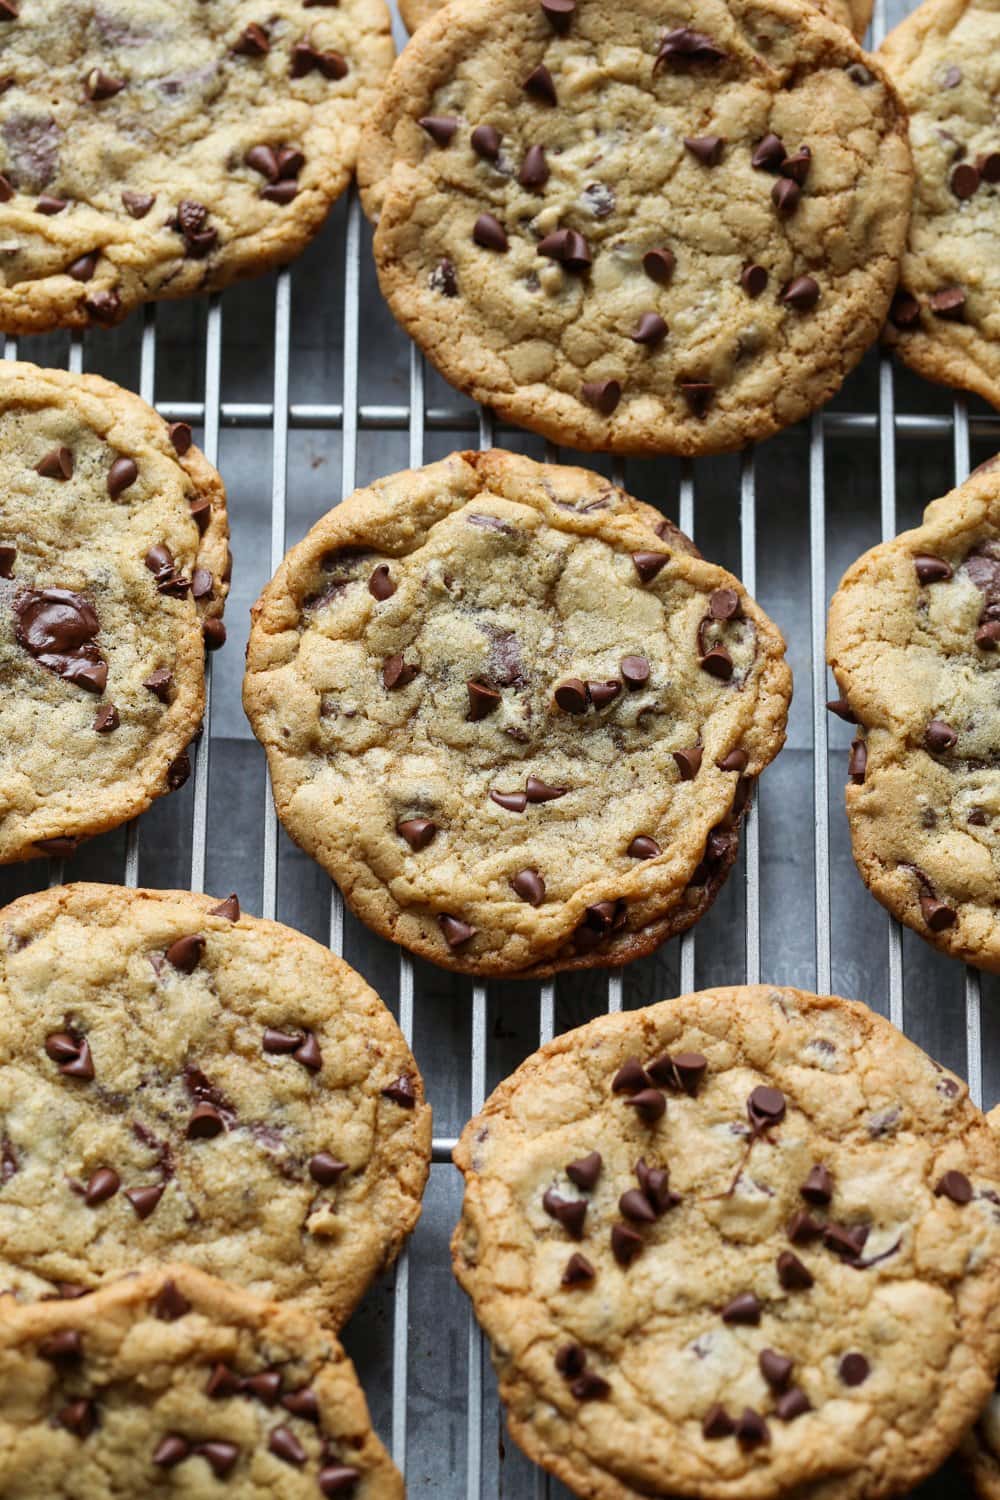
(114, 568)
(854, 14)
(981, 1449)
(945, 319)
(513, 713)
(913, 634)
(736, 1246)
(177, 1079)
(174, 1381)
(578, 237)
(168, 147)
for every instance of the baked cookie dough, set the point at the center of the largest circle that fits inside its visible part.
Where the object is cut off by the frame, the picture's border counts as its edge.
(158, 148)
(634, 228)
(174, 1382)
(114, 568)
(736, 1246)
(854, 14)
(981, 1449)
(913, 642)
(180, 1080)
(513, 713)
(945, 318)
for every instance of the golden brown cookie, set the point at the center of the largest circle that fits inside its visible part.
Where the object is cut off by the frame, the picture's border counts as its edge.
(854, 14)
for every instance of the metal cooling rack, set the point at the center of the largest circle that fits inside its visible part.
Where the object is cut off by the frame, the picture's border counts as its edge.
(302, 387)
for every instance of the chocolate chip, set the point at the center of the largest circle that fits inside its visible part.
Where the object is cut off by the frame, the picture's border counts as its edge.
(397, 673)
(326, 1169)
(705, 148)
(717, 1423)
(989, 166)
(796, 166)
(205, 1122)
(650, 330)
(170, 1303)
(964, 180)
(59, 848)
(659, 263)
(785, 196)
(486, 141)
(418, 832)
(305, 58)
(932, 569)
(58, 628)
(308, 1053)
(854, 1369)
(170, 1451)
(585, 1171)
(121, 475)
(768, 154)
(101, 85)
(79, 1417)
(569, 248)
(603, 395)
(9, 10)
(956, 1186)
(103, 1184)
(751, 1429)
(634, 1205)
(302, 1403)
(534, 173)
(483, 700)
(221, 1457)
(857, 765)
(630, 1078)
(649, 1105)
(229, 908)
(717, 663)
(263, 159)
(649, 564)
(530, 886)
(802, 293)
(818, 1186)
(937, 914)
(223, 1382)
(569, 1212)
(67, 1344)
(6, 189)
(559, 14)
(794, 1403)
(626, 1244)
(775, 1368)
(266, 1386)
(635, 672)
(252, 41)
(699, 395)
(736, 760)
(589, 1387)
(514, 802)
(743, 1309)
(455, 931)
(8, 556)
(185, 952)
(765, 1107)
(145, 1199)
(160, 560)
(334, 1479)
(401, 1092)
(283, 1443)
(380, 584)
(753, 280)
(688, 761)
(202, 584)
(949, 302)
(603, 693)
(571, 696)
(47, 204)
(845, 1240)
(159, 684)
(643, 847)
(842, 709)
(440, 128)
(180, 436)
(57, 464)
(137, 205)
(570, 1360)
(578, 1270)
(73, 1057)
(793, 1276)
(540, 791)
(988, 635)
(683, 45)
(939, 736)
(690, 1068)
(541, 86)
(904, 311)
(104, 306)
(213, 633)
(443, 279)
(802, 1228)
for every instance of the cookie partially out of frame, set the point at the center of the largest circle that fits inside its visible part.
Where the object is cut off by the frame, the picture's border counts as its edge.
(980, 1452)
(513, 713)
(854, 14)
(634, 228)
(173, 1382)
(114, 568)
(159, 148)
(913, 641)
(945, 320)
(740, 1245)
(180, 1080)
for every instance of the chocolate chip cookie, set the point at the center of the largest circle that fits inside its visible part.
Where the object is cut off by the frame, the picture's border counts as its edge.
(913, 639)
(738, 1245)
(513, 713)
(173, 1381)
(180, 1080)
(636, 228)
(158, 148)
(981, 1449)
(855, 14)
(945, 318)
(114, 569)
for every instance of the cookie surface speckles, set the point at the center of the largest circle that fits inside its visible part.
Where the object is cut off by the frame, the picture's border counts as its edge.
(177, 1082)
(174, 1382)
(513, 714)
(980, 1452)
(620, 183)
(855, 14)
(114, 568)
(159, 148)
(945, 322)
(751, 1326)
(913, 642)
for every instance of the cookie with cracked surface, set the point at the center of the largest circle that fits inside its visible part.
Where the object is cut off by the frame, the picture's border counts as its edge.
(513, 713)
(854, 14)
(173, 1380)
(741, 1244)
(161, 148)
(114, 569)
(639, 230)
(945, 318)
(980, 1451)
(178, 1079)
(913, 635)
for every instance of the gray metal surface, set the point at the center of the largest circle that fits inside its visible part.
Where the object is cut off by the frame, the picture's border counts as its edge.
(302, 387)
